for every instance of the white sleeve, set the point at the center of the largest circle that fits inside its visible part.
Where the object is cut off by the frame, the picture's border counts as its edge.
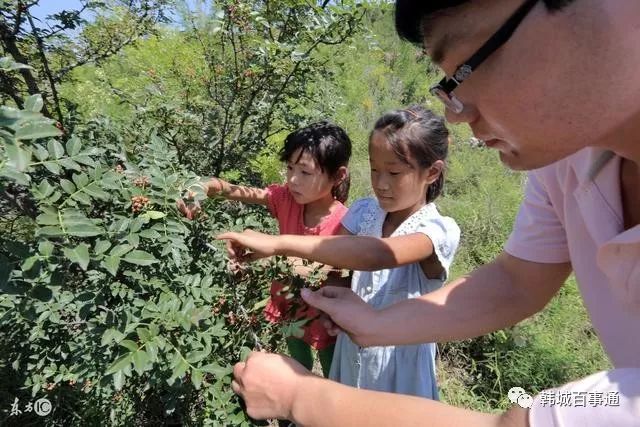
(608, 398)
(444, 234)
(353, 218)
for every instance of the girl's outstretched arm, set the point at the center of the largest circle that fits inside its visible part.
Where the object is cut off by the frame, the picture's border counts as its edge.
(216, 186)
(350, 252)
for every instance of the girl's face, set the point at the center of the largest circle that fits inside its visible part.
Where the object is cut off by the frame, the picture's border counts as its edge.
(306, 180)
(397, 185)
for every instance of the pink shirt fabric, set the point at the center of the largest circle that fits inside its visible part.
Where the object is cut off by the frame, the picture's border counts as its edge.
(290, 217)
(572, 212)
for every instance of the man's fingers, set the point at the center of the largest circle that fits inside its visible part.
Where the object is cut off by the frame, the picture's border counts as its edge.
(322, 298)
(238, 370)
(235, 386)
(226, 235)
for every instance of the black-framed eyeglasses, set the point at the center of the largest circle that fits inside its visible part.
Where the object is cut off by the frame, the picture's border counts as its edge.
(444, 89)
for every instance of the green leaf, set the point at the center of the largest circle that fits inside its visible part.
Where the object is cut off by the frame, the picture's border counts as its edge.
(19, 158)
(82, 198)
(260, 304)
(73, 145)
(67, 186)
(29, 263)
(95, 191)
(143, 334)
(140, 361)
(119, 364)
(196, 378)
(56, 150)
(107, 337)
(118, 380)
(51, 231)
(69, 164)
(79, 255)
(44, 294)
(34, 103)
(180, 369)
(18, 177)
(47, 219)
(111, 264)
(140, 258)
(196, 356)
(37, 130)
(84, 230)
(120, 250)
(52, 167)
(41, 153)
(45, 248)
(43, 190)
(154, 214)
(152, 351)
(80, 179)
(150, 234)
(132, 346)
(84, 159)
(101, 246)
(134, 239)
(217, 370)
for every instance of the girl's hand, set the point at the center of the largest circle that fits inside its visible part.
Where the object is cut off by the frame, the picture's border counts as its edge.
(348, 312)
(188, 207)
(269, 384)
(249, 245)
(213, 186)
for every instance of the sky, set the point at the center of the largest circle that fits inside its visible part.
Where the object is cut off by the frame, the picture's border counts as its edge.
(49, 7)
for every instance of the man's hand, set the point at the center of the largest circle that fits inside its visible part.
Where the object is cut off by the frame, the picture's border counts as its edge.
(269, 384)
(348, 312)
(249, 245)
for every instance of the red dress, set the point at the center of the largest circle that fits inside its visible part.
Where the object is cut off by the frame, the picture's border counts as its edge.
(290, 216)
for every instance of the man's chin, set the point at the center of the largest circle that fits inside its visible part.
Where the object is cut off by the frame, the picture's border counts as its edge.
(517, 162)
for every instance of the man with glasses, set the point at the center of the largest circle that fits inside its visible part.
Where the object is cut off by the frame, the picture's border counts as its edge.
(554, 87)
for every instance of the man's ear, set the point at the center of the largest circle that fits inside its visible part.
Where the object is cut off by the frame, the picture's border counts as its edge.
(435, 170)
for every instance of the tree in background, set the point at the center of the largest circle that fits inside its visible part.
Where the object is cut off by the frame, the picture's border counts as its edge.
(51, 54)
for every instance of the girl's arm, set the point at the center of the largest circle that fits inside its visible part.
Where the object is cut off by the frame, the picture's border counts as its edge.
(350, 252)
(216, 186)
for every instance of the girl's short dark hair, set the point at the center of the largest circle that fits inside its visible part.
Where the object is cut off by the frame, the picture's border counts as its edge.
(410, 15)
(330, 147)
(419, 134)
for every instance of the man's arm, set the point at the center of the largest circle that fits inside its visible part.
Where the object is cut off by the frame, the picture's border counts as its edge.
(495, 296)
(321, 402)
(276, 386)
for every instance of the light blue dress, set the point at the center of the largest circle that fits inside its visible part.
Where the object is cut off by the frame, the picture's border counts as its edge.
(406, 369)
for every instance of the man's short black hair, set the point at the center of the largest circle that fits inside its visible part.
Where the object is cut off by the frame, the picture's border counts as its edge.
(410, 14)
